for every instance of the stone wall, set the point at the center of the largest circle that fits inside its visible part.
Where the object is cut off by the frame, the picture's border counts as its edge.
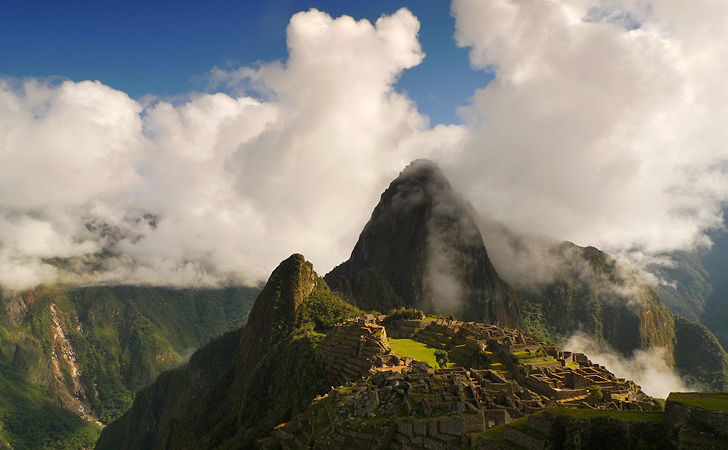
(684, 420)
(348, 351)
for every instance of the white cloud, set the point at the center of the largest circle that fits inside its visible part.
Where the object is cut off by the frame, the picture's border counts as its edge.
(605, 122)
(217, 187)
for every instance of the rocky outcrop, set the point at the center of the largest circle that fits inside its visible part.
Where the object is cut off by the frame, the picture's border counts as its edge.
(422, 249)
(274, 312)
(269, 375)
(66, 381)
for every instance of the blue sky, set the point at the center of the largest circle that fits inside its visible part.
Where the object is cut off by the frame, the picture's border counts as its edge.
(165, 48)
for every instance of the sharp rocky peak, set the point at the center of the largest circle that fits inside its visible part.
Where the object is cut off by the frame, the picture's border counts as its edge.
(422, 248)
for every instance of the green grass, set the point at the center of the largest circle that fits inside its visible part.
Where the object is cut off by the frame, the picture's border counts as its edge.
(540, 363)
(497, 433)
(523, 427)
(714, 401)
(624, 416)
(706, 441)
(417, 350)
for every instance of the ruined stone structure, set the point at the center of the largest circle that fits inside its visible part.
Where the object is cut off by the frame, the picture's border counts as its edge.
(349, 351)
(412, 406)
(350, 417)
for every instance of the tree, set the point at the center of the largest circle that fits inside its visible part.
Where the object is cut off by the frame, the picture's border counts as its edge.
(442, 358)
(595, 393)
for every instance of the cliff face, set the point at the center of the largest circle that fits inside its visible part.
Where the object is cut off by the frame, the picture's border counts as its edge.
(422, 249)
(699, 357)
(240, 386)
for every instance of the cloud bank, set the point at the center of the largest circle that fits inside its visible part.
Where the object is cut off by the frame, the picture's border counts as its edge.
(605, 122)
(647, 368)
(217, 188)
(604, 126)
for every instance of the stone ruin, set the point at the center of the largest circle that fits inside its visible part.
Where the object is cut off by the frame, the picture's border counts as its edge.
(442, 408)
(351, 349)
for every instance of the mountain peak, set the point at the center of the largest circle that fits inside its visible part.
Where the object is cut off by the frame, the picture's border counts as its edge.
(423, 169)
(274, 311)
(422, 248)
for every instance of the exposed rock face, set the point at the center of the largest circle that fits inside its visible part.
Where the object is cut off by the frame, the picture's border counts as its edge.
(274, 312)
(422, 248)
(71, 396)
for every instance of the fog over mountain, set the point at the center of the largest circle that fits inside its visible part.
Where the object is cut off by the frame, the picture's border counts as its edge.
(604, 126)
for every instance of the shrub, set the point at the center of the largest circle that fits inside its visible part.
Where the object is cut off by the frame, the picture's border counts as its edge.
(595, 392)
(404, 314)
(442, 358)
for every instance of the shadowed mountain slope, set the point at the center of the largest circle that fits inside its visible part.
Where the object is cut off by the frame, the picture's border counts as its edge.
(422, 249)
(240, 386)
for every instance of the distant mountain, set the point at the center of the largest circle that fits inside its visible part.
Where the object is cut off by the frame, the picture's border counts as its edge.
(422, 249)
(68, 353)
(593, 295)
(695, 284)
(72, 356)
(587, 291)
(715, 315)
(234, 391)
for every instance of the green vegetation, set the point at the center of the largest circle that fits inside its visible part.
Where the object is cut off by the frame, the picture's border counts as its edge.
(522, 426)
(497, 433)
(403, 314)
(122, 336)
(595, 393)
(289, 368)
(480, 360)
(624, 416)
(225, 407)
(30, 421)
(584, 297)
(687, 296)
(714, 401)
(699, 356)
(322, 309)
(417, 350)
(442, 358)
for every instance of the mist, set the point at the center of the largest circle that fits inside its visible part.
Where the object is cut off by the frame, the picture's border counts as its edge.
(647, 368)
(604, 126)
